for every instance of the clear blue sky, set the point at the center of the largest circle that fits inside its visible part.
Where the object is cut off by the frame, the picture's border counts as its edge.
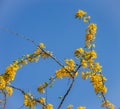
(53, 22)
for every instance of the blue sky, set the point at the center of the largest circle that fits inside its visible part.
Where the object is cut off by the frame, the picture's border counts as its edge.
(53, 22)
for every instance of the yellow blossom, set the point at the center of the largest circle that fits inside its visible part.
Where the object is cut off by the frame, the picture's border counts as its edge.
(2, 82)
(9, 90)
(69, 106)
(49, 106)
(83, 75)
(92, 28)
(97, 81)
(37, 51)
(81, 107)
(97, 67)
(29, 101)
(78, 52)
(80, 13)
(108, 104)
(46, 54)
(91, 63)
(89, 37)
(93, 54)
(41, 45)
(10, 72)
(84, 63)
(86, 19)
(70, 62)
(41, 89)
(63, 72)
(41, 100)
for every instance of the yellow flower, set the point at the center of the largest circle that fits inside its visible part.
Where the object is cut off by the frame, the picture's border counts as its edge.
(2, 82)
(97, 81)
(10, 72)
(86, 19)
(92, 28)
(78, 52)
(49, 106)
(108, 104)
(41, 100)
(91, 63)
(83, 75)
(41, 45)
(97, 67)
(29, 101)
(89, 37)
(9, 90)
(84, 63)
(69, 106)
(63, 72)
(46, 54)
(70, 62)
(41, 89)
(75, 74)
(81, 107)
(93, 54)
(80, 13)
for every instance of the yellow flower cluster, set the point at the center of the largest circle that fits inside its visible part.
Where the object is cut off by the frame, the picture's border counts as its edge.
(7, 77)
(69, 106)
(82, 14)
(96, 67)
(42, 100)
(10, 72)
(41, 89)
(79, 52)
(43, 53)
(9, 90)
(90, 36)
(2, 83)
(67, 71)
(86, 55)
(46, 54)
(85, 75)
(108, 104)
(92, 28)
(29, 101)
(49, 106)
(97, 81)
(86, 19)
(81, 107)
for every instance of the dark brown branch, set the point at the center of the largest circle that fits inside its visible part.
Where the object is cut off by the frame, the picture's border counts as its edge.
(23, 92)
(66, 94)
(35, 44)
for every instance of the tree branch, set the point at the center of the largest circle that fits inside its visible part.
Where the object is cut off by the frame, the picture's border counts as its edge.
(66, 94)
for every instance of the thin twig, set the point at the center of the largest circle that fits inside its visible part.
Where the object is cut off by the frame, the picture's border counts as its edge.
(35, 44)
(5, 100)
(66, 94)
(22, 91)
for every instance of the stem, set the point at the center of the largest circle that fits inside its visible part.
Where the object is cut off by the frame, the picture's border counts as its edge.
(32, 41)
(35, 44)
(5, 100)
(66, 94)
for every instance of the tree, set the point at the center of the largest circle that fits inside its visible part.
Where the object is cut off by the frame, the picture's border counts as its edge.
(86, 56)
